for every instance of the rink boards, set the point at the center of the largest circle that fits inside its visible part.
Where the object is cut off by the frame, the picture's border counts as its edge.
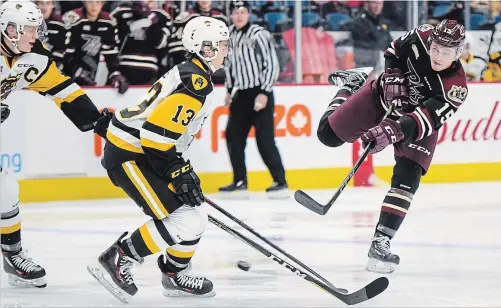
(55, 161)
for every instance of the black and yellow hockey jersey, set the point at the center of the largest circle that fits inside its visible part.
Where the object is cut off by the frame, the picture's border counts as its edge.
(165, 121)
(37, 71)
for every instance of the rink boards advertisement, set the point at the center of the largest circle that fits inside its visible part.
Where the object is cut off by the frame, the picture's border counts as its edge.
(55, 161)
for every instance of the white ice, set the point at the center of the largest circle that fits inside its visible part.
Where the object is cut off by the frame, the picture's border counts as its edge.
(449, 244)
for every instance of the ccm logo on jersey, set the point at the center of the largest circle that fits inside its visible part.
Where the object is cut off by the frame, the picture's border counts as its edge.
(457, 94)
(420, 148)
(24, 65)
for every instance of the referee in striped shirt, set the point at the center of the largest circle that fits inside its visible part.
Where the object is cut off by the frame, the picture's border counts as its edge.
(251, 71)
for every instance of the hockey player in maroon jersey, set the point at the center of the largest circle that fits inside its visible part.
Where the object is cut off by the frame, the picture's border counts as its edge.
(92, 32)
(144, 32)
(426, 83)
(56, 36)
(175, 46)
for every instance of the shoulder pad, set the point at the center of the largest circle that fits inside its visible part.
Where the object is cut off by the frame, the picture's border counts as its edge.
(71, 17)
(40, 49)
(455, 87)
(195, 79)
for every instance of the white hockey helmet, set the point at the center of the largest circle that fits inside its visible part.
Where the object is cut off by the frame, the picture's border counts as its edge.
(204, 31)
(20, 14)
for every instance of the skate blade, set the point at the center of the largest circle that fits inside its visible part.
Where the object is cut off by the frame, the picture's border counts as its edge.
(22, 283)
(278, 195)
(235, 195)
(380, 267)
(98, 272)
(180, 293)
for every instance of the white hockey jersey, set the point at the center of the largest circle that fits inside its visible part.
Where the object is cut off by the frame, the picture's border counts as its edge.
(474, 67)
(165, 121)
(37, 71)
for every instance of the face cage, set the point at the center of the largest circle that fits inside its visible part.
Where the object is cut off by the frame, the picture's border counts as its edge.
(201, 53)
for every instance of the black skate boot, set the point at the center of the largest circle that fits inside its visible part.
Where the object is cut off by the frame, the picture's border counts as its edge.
(278, 191)
(238, 186)
(381, 260)
(352, 79)
(183, 284)
(22, 271)
(113, 271)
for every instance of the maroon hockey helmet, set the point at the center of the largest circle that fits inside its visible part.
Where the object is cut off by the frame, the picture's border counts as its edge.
(449, 33)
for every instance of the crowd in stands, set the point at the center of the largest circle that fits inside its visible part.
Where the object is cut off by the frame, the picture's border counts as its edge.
(368, 24)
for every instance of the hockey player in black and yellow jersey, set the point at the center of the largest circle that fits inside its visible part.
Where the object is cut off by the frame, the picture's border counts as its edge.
(26, 64)
(143, 156)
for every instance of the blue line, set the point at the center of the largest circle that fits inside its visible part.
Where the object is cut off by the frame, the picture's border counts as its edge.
(289, 239)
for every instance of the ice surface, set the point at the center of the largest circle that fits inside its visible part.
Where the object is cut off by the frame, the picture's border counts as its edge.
(449, 244)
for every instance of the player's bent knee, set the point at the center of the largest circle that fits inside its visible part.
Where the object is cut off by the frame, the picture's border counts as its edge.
(186, 223)
(406, 175)
(326, 135)
(9, 192)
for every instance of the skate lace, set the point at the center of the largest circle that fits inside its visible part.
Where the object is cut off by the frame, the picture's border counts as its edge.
(126, 265)
(193, 282)
(383, 244)
(24, 263)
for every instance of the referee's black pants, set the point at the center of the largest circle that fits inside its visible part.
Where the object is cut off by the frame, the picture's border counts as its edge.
(242, 118)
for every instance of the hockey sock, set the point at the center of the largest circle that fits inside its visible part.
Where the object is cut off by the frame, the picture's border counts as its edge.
(395, 206)
(179, 255)
(150, 238)
(10, 229)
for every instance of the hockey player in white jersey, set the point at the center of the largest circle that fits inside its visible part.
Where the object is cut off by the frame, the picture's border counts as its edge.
(143, 156)
(27, 64)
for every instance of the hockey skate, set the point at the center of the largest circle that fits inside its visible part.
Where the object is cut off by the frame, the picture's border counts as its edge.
(113, 271)
(183, 283)
(353, 79)
(22, 271)
(381, 260)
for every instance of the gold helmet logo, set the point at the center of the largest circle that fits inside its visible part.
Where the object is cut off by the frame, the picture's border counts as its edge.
(18, 6)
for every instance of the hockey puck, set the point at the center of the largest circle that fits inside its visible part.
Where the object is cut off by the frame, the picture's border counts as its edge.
(243, 265)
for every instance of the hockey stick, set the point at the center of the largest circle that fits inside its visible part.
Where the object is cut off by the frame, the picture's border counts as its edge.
(217, 207)
(373, 289)
(308, 202)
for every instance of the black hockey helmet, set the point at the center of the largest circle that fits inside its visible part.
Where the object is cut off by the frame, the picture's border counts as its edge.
(449, 33)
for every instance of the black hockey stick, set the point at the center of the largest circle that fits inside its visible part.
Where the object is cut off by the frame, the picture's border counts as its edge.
(308, 202)
(264, 239)
(373, 289)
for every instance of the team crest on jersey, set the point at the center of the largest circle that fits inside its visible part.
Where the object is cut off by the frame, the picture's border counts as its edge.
(198, 82)
(70, 17)
(9, 84)
(457, 94)
(425, 27)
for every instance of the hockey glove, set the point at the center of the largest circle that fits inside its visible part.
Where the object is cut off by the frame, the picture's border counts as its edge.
(4, 112)
(101, 126)
(395, 88)
(186, 183)
(118, 81)
(386, 133)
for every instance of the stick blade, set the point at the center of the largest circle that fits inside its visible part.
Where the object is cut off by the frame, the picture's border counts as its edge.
(308, 202)
(371, 290)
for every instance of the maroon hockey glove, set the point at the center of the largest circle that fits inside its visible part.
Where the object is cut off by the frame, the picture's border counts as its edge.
(386, 133)
(118, 81)
(395, 88)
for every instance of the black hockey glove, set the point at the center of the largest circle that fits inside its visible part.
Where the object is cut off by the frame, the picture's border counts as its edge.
(118, 81)
(4, 112)
(186, 183)
(101, 126)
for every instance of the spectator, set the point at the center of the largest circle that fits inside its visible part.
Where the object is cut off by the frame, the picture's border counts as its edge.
(175, 46)
(56, 36)
(370, 35)
(473, 65)
(143, 31)
(92, 32)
